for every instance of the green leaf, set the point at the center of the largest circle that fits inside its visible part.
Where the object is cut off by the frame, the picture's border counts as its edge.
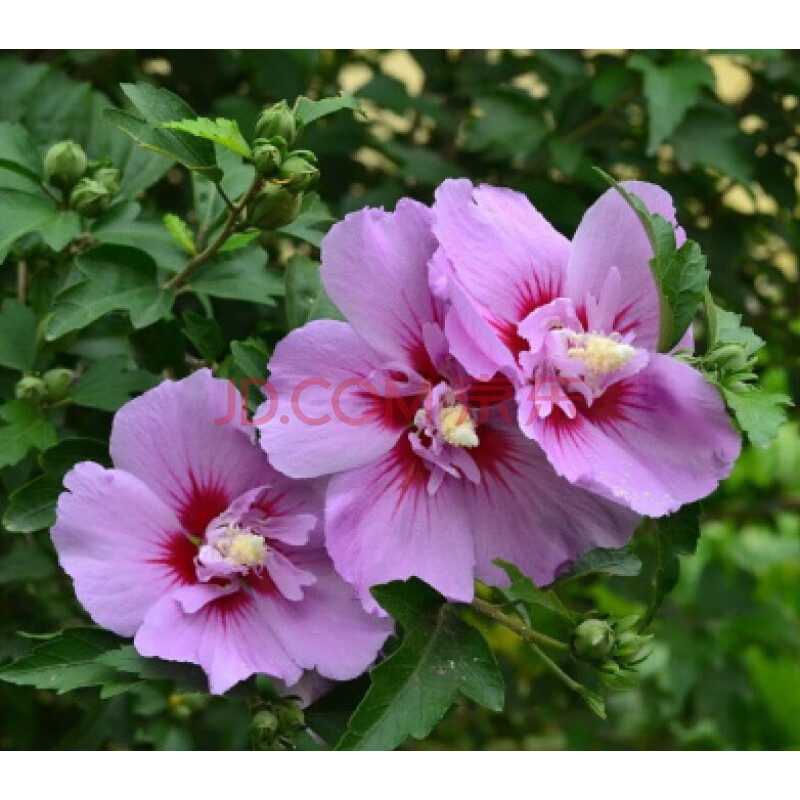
(66, 662)
(240, 275)
(681, 531)
(22, 213)
(676, 534)
(155, 107)
(421, 165)
(239, 240)
(125, 659)
(60, 459)
(328, 716)
(116, 278)
(711, 138)
(726, 326)
(224, 132)
(440, 656)
(306, 298)
(670, 90)
(26, 429)
(180, 232)
(122, 226)
(759, 413)
(606, 562)
(777, 681)
(32, 507)
(18, 152)
(18, 326)
(313, 221)
(205, 334)
(504, 127)
(250, 357)
(681, 276)
(25, 562)
(524, 590)
(308, 111)
(60, 229)
(108, 384)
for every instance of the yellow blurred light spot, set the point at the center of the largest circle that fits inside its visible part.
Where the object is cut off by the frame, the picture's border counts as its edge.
(733, 82)
(400, 64)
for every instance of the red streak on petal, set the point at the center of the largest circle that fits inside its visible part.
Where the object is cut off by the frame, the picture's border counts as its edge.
(200, 505)
(404, 474)
(178, 554)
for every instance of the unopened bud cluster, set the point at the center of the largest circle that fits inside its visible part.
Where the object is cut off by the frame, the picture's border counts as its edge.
(50, 388)
(275, 725)
(731, 366)
(88, 187)
(612, 647)
(289, 172)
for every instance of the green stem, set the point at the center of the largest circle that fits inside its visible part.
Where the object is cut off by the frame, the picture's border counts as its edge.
(531, 636)
(177, 281)
(22, 281)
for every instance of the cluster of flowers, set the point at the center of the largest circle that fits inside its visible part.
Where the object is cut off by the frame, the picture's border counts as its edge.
(500, 395)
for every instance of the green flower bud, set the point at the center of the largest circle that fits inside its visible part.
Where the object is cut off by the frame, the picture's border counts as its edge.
(89, 198)
(31, 389)
(264, 729)
(593, 640)
(298, 171)
(278, 120)
(731, 356)
(291, 717)
(65, 164)
(267, 156)
(273, 207)
(109, 177)
(57, 382)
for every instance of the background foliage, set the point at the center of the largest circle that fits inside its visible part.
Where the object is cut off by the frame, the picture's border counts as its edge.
(719, 130)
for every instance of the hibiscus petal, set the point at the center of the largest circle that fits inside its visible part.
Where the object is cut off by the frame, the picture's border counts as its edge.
(328, 631)
(522, 512)
(375, 268)
(228, 637)
(381, 524)
(503, 251)
(122, 546)
(327, 418)
(188, 441)
(611, 235)
(654, 441)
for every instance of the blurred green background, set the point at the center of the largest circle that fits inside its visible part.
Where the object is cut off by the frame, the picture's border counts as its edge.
(720, 131)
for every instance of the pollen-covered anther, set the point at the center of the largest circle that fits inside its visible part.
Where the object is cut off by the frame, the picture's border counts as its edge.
(601, 354)
(244, 548)
(457, 426)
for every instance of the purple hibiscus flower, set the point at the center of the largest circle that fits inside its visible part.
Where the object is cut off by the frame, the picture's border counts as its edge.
(431, 475)
(195, 546)
(576, 326)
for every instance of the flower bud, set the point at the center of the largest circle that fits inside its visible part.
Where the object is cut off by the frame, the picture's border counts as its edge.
(267, 156)
(65, 164)
(593, 640)
(109, 177)
(31, 389)
(57, 383)
(278, 120)
(731, 356)
(273, 207)
(298, 171)
(89, 198)
(291, 717)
